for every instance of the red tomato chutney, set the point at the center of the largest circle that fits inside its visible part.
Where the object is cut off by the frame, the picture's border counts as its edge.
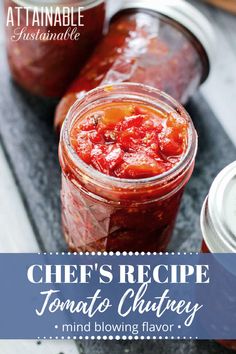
(45, 57)
(125, 140)
(145, 46)
(126, 153)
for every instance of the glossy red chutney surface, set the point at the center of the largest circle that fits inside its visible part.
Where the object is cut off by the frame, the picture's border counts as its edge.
(145, 48)
(47, 67)
(131, 141)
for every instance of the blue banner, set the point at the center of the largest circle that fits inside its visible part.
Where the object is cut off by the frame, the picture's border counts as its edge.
(136, 296)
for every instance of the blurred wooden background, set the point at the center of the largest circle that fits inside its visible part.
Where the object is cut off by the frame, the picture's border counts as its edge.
(228, 5)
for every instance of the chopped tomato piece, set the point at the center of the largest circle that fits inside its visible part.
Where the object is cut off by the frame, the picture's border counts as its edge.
(175, 120)
(98, 159)
(115, 115)
(114, 155)
(88, 125)
(133, 121)
(129, 138)
(83, 147)
(140, 110)
(96, 137)
(169, 147)
(130, 141)
(139, 165)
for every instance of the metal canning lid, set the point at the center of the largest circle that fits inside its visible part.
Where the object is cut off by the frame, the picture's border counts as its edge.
(34, 4)
(185, 14)
(218, 217)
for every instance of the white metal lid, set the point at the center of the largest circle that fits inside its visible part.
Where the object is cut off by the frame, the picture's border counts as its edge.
(185, 14)
(218, 217)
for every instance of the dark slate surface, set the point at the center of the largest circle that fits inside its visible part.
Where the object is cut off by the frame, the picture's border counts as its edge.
(26, 132)
(152, 347)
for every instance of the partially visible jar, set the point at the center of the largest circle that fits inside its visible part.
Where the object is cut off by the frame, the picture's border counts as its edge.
(218, 220)
(104, 213)
(164, 44)
(45, 66)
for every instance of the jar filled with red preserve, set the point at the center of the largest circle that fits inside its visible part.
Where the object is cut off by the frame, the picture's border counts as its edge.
(164, 44)
(126, 153)
(218, 220)
(48, 44)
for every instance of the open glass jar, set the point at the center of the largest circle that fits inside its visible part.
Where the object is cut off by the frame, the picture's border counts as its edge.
(164, 44)
(218, 220)
(105, 213)
(48, 44)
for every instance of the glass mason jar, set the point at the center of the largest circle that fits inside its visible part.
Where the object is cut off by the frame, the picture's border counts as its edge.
(43, 65)
(104, 213)
(218, 221)
(164, 44)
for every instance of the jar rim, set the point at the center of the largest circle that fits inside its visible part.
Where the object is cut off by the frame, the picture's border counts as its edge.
(187, 159)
